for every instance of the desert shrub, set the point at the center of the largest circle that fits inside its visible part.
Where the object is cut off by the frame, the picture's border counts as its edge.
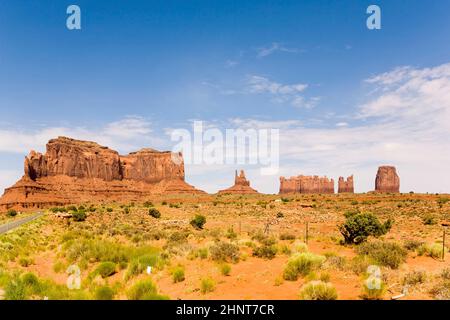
(318, 290)
(207, 285)
(259, 236)
(432, 250)
(15, 290)
(325, 277)
(177, 238)
(302, 264)
(429, 220)
(441, 290)
(126, 210)
(299, 247)
(144, 290)
(358, 227)
(359, 264)
(414, 277)
(287, 236)
(30, 280)
(104, 293)
(373, 290)
(442, 201)
(78, 215)
(22, 287)
(178, 274)
(148, 204)
(280, 215)
(265, 251)
(109, 209)
(154, 213)
(224, 252)
(11, 213)
(198, 221)
(284, 249)
(335, 261)
(278, 281)
(59, 267)
(25, 262)
(140, 262)
(225, 269)
(72, 208)
(201, 253)
(231, 234)
(387, 254)
(445, 274)
(412, 245)
(106, 269)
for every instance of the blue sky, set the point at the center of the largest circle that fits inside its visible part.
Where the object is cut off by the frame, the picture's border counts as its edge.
(138, 68)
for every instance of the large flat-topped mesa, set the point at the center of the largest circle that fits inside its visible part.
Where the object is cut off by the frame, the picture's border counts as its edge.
(241, 185)
(387, 180)
(74, 171)
(306, 184)
(346, 186)
(85, 159)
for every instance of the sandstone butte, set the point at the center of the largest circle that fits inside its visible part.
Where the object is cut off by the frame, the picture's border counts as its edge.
(387, 180)
(346, 186)
(241, 185)
(75, 171)
(306, 184)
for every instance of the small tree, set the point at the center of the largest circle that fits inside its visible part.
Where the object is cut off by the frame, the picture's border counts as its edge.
(154, 213)
(198, 221)
(358, 227)
(11, 213)
(79, 215)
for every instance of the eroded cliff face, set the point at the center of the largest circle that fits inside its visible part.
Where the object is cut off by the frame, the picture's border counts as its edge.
(151, 166)
(241, 185)
(74, 158)
(387, 180)
(306, 184)
(346, 186)
(73, 171)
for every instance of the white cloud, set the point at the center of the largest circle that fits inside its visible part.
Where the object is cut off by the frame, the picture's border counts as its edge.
(128, 134)
(407, 125)
(281, 93)
(274, 47)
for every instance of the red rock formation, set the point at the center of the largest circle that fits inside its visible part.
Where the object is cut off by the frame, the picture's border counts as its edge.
(73, 171)
(387, 180)
(241, 185)
(306, 184)
(345, 186)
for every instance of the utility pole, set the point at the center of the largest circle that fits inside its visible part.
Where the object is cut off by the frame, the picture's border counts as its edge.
(443, 245)
(306, 232)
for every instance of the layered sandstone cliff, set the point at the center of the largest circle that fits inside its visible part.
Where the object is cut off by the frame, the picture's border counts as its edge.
(346, 186)
(241, 185)
(387, 180)
(306, 184)
(74, 171)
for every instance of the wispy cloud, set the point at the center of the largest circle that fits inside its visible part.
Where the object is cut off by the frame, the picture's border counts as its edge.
(274, 47)
(231, 63)
(281, 93)
(128, 134)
